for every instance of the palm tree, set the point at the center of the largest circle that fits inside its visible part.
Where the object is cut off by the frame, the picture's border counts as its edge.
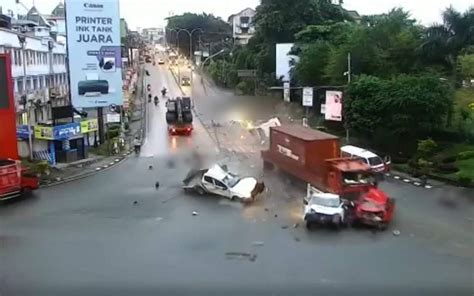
(444, 42)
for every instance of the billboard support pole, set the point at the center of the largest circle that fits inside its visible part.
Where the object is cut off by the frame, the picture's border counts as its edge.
(100, 121)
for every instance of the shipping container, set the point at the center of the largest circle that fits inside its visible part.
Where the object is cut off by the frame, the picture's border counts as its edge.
(312, 156)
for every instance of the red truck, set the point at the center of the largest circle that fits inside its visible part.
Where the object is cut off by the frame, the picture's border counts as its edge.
(314, 157)
(179, 116)
(15, 180)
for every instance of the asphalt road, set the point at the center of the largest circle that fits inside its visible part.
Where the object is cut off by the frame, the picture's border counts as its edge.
(116, 234)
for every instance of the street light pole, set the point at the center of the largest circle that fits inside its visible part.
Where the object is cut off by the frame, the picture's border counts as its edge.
(22, 40)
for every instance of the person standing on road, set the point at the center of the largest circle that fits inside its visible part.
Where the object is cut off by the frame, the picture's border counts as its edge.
(137, 145)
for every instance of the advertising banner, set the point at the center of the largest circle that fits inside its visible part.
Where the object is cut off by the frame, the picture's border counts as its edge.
(113, 118)
(59, 132)
(283, 60)
(333, 110)
(22, 131)
(94, 50)
(88, 126)
(44, 132)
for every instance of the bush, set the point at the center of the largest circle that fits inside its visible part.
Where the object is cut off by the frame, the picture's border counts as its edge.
(465, 155)
(245, 87)
(426, 148)
(464, 179)
(449, 159)
(448, 168)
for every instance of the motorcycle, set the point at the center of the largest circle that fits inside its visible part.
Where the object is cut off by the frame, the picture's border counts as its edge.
(156, 101)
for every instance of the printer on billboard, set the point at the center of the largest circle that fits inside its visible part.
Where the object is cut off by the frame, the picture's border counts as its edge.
(93, 86)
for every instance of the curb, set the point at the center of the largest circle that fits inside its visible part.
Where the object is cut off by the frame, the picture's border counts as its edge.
(118, 160)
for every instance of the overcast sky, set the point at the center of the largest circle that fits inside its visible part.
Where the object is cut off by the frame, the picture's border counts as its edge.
(151, 13)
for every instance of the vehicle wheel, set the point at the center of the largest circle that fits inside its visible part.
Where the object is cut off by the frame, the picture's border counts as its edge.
(308, 225)
(199, 190)
(234, 198)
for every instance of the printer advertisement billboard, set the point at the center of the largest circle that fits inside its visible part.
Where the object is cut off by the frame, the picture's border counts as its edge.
(94, 52)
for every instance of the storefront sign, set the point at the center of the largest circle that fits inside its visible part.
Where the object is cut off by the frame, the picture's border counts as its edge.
(286, 92)
(88, 126)
(22, 131)
(308, 97)
(44, 133)
(95, 66)
(59, 132)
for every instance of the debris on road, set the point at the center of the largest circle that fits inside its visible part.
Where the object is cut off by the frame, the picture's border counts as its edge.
(135, 202)
(195, 213)
(276, 216)
(157, 185)
(396, 232)
(241, 255)
(258, 244)
(284, 227)
(297, 239)
(150, 167)
(296, 225)
(266, 210)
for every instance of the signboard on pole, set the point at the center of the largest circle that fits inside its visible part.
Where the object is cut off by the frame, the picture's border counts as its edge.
(94, 51)
(323, 108)
(113, 118)
(333, 105)
(308, 97)
(286, 92)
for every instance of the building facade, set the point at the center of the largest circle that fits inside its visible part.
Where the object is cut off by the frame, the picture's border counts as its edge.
(242, 25)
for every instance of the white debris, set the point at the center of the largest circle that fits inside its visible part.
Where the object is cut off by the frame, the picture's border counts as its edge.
(396, 232)
(257, 243)
(98, 169)
(195, 213)
(428, 186)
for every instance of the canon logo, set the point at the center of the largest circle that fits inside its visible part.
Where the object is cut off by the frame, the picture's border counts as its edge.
(93, 5)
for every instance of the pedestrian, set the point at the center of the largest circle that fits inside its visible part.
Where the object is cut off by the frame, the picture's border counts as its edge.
(137, 145)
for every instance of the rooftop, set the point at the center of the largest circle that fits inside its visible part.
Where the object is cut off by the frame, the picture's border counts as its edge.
(303, 133)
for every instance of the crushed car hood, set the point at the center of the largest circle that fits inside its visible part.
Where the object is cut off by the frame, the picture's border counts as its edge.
(244, 188)
(326, 210)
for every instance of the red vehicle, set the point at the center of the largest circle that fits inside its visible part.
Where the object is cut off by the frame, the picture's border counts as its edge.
(15, 180)
(179, 116)
(314, 157)
(374, 208)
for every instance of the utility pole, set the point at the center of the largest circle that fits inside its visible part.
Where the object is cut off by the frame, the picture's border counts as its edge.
(349, 74)
(22, 40)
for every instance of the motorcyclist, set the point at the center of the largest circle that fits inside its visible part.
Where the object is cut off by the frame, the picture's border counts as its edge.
(163, 91)
(149, 98)
(156, 100)
(137, 145)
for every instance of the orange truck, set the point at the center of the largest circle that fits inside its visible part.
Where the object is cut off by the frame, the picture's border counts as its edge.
(315, 158)
(15, 180)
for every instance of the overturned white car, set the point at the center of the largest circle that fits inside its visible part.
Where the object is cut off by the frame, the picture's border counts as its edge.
(217, 180)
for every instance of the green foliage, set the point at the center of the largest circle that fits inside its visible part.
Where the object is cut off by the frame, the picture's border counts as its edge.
(465, 155)
(216, 29)
(404, 105)
(464, 179)
(310, 68)
(427, 148)
(466, 66)
(245, 87)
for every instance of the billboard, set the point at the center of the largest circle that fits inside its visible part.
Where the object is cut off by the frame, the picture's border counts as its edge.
(94, 52)
(333, 106)
(283, 59)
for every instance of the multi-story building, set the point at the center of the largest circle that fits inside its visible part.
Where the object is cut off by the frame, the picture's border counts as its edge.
(154, 35)
(242, 25)
(39, 68)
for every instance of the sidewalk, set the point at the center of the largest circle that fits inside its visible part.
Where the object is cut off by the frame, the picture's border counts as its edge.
(63, 173)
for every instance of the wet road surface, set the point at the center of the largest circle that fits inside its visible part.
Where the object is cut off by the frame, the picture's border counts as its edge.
(116, 234)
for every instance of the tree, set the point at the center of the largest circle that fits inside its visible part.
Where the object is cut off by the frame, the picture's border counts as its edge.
(214, 29)
(278, 22)
(442, 43)
(466, 67)
(404, 106)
